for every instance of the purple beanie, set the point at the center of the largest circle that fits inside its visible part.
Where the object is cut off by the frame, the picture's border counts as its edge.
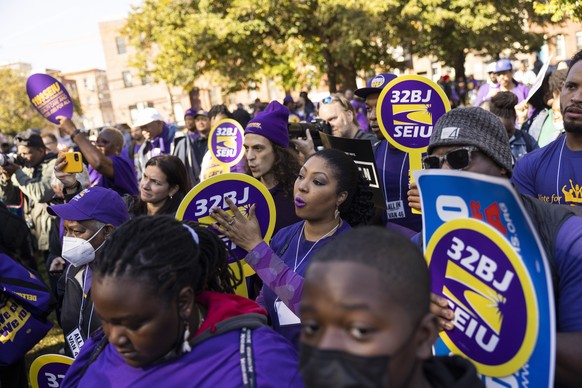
(272, 124)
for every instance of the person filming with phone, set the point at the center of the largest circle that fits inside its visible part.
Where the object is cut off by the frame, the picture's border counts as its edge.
(25, 183)
(108, 166)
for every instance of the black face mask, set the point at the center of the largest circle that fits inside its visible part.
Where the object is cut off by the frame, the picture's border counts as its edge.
(334, 368)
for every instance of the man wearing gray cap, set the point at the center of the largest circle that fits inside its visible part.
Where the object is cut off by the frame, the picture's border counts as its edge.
(475, 140)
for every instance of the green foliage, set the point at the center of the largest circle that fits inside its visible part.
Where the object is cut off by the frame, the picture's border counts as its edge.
(296, 42)
(560, 9)
(451, 28)
(16, 112)
(239, 41)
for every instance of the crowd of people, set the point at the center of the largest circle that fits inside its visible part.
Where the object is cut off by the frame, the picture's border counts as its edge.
(342, 289)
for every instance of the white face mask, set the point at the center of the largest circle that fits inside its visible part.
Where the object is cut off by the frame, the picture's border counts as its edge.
(79, 252)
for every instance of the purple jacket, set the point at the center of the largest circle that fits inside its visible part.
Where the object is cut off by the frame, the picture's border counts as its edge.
(215, 359)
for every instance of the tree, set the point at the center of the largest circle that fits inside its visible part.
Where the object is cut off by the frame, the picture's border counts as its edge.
(560, 9)
(449, 29)
(239, 41)
(16, 112)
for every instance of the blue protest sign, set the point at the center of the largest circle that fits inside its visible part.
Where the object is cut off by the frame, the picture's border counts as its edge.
(486, 259)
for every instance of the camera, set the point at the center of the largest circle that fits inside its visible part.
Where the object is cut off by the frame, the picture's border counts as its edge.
(6, 159)
(297, 130)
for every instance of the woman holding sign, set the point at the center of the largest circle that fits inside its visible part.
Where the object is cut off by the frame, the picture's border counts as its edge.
(165, 295)
(331, 196)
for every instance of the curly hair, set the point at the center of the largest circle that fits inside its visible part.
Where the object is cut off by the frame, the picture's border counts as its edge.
(162, 253)
(285, 168)
(358, 207)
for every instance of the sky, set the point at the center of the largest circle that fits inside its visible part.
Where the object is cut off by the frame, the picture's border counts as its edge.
(57, 34)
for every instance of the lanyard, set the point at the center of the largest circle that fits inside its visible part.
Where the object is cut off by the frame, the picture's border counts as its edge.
(313, 246)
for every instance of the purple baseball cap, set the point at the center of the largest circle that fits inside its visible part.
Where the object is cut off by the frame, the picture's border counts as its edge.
(93, 203)
(375, 84)
(190, 112)
(201, 112)
(271, 123)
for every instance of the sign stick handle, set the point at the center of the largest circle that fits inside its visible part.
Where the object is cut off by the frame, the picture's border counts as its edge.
(415, 159)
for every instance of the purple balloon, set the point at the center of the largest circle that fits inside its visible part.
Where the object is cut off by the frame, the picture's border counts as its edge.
(49, 97)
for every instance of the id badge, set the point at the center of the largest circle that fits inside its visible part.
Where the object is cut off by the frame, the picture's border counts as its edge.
(395, 209)
(75, 341)
(285, 315)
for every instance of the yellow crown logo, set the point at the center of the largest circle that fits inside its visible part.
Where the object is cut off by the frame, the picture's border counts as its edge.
(574, 194)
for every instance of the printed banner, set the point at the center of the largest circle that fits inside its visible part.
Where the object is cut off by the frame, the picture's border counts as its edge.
(485, 257)
(363, 155)
(49, 97)
(225, 142)
(48, 371)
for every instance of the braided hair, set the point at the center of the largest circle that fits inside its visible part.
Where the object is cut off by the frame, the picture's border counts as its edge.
(162, 253)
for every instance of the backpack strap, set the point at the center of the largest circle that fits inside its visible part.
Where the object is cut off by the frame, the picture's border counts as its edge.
(247, 362)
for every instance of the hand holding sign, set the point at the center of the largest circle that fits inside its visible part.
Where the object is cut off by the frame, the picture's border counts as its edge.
(49, 97)
(245, 233)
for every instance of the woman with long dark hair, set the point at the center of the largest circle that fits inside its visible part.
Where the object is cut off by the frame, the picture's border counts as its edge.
(163, 186)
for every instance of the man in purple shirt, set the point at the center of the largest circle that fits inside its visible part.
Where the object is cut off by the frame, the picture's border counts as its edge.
(505, 83)
(108, 167)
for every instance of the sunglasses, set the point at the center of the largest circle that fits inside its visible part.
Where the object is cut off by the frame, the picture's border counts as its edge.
(458, 159)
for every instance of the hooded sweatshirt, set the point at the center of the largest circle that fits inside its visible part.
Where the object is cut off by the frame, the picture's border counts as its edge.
(215, 359)
(451, 372)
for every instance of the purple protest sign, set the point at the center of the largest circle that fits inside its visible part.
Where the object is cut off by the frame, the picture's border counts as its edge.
(49, 97)
(244, 191)
(225, 142)
(490, 292)
(407, 109)
(49, 370)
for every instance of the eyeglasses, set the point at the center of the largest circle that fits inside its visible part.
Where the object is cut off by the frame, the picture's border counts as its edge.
(345, 104)
(458, 159)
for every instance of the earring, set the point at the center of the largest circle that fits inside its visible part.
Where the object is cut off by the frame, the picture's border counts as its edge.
(186, 344)
(337, 213)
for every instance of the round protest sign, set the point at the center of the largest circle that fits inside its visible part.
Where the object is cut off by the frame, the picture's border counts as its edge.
(225, 142)
(243, 190)
(407, 109)
(49, 370)
(491, 293)
(49, 97)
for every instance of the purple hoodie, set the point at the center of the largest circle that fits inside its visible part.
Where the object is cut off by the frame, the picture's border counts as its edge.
(214, 360)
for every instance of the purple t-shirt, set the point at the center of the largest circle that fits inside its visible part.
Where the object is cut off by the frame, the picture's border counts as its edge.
(212, 363)
(552, 174)
(124, 178)
(520, 90)
(568, 257)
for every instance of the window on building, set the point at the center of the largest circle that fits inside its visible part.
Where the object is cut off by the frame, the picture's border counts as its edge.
(560, 46)
(127, 79)
(120, 42)
(579, 41)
